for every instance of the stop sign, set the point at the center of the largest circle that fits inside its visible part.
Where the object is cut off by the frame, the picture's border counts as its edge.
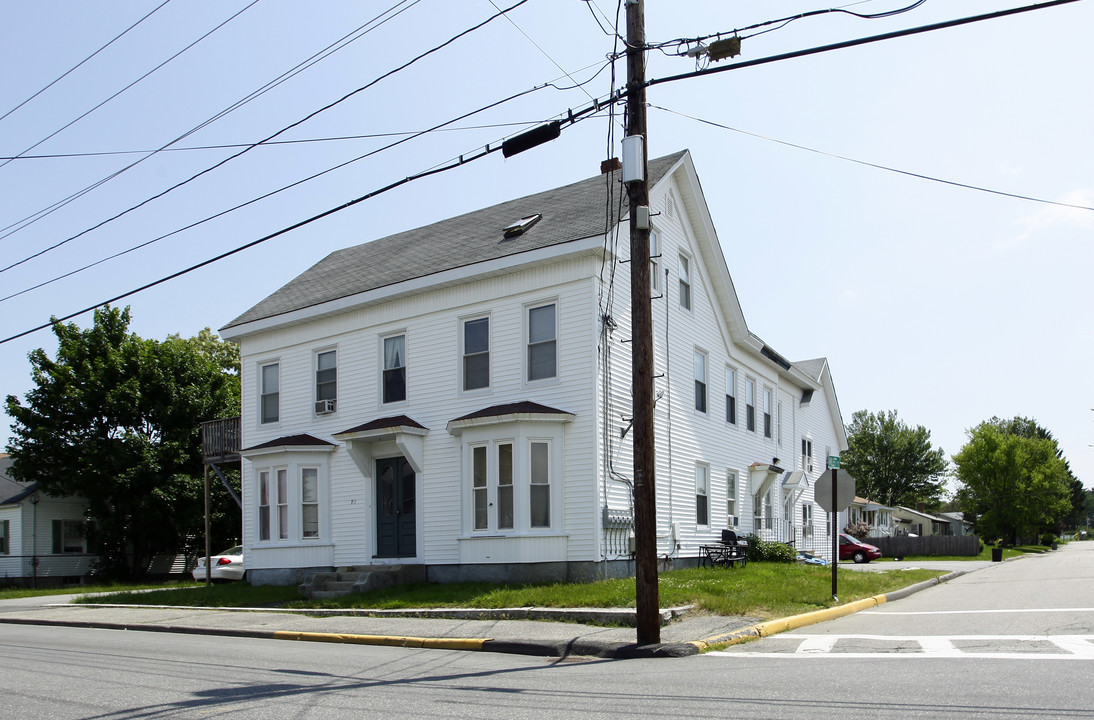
(845, 490)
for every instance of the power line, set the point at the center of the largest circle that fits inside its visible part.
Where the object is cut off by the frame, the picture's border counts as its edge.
(79, 64)
(317, 57)
(875, 165)
(279, 132)
(142, 77)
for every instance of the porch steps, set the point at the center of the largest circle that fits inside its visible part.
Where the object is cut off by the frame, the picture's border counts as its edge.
(357, 579)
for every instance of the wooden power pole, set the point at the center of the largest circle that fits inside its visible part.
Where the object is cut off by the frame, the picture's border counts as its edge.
(647, 606)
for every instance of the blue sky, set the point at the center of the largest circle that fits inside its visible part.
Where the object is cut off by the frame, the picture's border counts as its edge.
(947, 304)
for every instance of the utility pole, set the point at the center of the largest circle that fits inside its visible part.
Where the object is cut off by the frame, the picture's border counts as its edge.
(647, 606)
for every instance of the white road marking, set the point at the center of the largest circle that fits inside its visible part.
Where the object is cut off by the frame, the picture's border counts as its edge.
(1072, 647)
(979, 612)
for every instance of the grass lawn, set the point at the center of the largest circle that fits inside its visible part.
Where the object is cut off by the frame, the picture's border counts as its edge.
(21, 592)
(762, 590)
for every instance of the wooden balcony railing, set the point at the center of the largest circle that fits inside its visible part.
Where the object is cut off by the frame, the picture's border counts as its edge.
(220, 441)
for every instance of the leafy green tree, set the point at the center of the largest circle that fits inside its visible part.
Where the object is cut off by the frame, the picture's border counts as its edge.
(892, 463)
(115, 419)
(1014, 480)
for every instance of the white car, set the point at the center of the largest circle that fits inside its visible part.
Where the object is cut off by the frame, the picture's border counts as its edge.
(227, 565)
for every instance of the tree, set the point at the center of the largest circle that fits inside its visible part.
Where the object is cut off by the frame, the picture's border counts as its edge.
(891, 462)
(1014, 479)
(116, 419)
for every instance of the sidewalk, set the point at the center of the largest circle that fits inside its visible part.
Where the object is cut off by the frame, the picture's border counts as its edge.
(548, 633)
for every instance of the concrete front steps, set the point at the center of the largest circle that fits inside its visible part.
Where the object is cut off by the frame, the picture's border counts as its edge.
(357, 579)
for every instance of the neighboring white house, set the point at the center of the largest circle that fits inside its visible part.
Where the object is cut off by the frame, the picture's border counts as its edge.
(877, 516)
(41, 538)
(458, 396)
(918, 522)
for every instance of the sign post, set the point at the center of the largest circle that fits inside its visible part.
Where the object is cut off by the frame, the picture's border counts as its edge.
(834, 492)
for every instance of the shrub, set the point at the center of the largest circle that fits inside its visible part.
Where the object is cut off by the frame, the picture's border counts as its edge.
(859, 530)
(1047, 539)
(760, 550)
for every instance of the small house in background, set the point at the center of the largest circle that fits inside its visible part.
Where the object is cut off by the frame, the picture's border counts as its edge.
(456, 398)
(877, 516)
(921, 523)
(42, 539)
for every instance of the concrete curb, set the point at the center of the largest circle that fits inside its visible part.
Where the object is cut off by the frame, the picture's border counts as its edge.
(772, 627)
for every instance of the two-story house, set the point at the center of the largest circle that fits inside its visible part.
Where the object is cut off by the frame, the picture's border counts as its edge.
(458, 397)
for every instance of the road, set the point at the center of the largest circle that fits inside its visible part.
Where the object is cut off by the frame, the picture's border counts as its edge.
(1010, 641)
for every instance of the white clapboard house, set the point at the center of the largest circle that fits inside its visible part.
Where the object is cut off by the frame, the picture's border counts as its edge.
(457, 398)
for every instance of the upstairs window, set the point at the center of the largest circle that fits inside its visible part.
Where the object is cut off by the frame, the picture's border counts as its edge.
(750, 404)
(542, 343)
(700, 382)
(395, 369)
(807, 455)
(767, 412)
(685, 284)
(731, 396)
(269, 392)
(476, 354)
(655, 261)
(326, 381)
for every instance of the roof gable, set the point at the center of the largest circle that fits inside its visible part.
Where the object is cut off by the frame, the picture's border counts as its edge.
(569, 213)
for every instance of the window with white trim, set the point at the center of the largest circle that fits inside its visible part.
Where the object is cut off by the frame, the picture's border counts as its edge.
(767, 412)
(655, 261)
(269, 393)
(282, 501)
(807, 519)
(542, 349)
(731, 497)
(731, 396)
(263, 505)
(807, 455)
(510, 492)
(326, 381)
(5, 543)
(68, 537)
(685, 283)
(476, 354)
(700, 381)
(539, 479)
(779, 423)
(309, 503)
(750, 404)
(702, 494)
(394, 369)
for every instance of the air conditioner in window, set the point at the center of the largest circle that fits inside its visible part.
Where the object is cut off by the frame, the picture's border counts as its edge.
(324, 407)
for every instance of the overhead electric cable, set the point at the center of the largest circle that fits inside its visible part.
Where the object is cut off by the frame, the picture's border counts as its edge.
(266, 195)
(142, 77)
(75, 67)
(874, 165)
(317, 57)
(279, 132)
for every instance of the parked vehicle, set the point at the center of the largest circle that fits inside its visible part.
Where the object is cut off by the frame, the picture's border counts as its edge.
(227, 565)
(853, 549)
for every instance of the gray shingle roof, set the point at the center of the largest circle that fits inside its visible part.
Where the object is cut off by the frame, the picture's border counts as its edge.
(572, 212)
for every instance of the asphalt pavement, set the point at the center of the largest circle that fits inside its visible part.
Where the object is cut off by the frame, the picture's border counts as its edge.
(527, 631)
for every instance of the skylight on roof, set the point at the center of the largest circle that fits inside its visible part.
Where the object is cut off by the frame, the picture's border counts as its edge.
(520, 226)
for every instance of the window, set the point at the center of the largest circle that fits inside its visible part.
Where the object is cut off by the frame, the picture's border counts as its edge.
(700, 382)
(702, 495)
(655, 261)
(769, 512)
(540, 485)
(750, 404)
(326, 381)
(685, 284)
(731, 496)
(505, 486)
(5, 547)
(68, 537)
(309, 502)
(779, 423)
(807, 455)
(282, 503)
(395, 369)
(731, 396)
(270, 394)
(542, 345)
(767, 412)
(264, 505)
(807, 520)
(476, 354)
(479, 490)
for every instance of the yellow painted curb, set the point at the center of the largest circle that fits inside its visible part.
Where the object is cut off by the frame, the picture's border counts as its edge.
(386, 640)
(773, 627)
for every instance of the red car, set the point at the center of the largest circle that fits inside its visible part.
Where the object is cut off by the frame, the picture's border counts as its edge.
(852, 549)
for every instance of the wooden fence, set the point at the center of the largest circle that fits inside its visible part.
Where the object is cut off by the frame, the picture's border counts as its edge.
(904, 545)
